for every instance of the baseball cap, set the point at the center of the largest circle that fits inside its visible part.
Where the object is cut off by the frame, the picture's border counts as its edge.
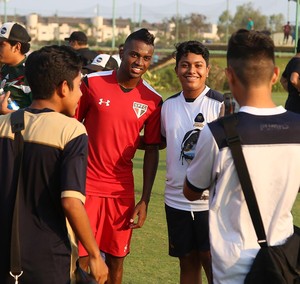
(102, 62)
(79, 36)
(15, 32)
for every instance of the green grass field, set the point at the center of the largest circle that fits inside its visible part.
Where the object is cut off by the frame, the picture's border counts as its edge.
(149, 262)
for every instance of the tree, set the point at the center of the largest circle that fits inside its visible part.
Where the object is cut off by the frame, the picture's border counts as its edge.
(244, 12)
(224, 25)
(240, 19)
(276, 22)
(189, 27)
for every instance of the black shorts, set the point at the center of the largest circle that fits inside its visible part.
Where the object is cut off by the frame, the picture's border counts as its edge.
(187, 231)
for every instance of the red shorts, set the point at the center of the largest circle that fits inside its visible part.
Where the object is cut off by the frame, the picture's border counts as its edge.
(109, 218)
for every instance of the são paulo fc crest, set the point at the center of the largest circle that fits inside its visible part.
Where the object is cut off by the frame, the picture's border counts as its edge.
(139, 109)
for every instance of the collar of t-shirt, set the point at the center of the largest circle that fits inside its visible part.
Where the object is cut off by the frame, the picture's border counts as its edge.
(263, 111)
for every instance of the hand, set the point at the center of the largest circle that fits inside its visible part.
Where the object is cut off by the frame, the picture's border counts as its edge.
(99, 269)
(140, 211)
(4, 104)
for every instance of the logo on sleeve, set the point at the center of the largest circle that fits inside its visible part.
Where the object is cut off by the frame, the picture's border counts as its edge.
(139, 109)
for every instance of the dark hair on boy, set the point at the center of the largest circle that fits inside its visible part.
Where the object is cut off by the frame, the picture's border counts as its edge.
(47, 68)
(141, 35)
(25, 46)
(251, 55)
(192, 46)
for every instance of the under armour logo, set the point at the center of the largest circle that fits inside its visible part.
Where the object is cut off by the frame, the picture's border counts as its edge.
(101, 101)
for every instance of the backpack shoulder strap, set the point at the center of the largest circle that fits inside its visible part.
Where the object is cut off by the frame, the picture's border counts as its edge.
(233, 140)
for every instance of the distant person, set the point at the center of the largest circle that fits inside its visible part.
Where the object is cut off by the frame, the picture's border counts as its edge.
(250, 24)
(293, 34)
(79, 41)
(155, 58)
(119, 55)
(102, 62)
(115, 106)
(54, 171)
(290, 80)
(189, 109)
(270, 138)
(14, 44)
(286, 32)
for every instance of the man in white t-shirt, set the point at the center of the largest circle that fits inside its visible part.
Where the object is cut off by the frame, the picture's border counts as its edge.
(270, 138)
(190, 109)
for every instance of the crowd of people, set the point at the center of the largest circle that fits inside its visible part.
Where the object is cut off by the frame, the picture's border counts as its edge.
(86, 114)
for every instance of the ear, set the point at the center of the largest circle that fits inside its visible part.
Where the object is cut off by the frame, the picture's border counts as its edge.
(176, 69)
(275, 75)
(207, 70)
(230, 75)
(17, 47)
(63, 89)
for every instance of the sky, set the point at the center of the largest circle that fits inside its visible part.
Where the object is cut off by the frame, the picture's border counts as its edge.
(152, 10)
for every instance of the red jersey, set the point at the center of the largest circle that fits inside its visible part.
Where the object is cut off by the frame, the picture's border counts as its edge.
(113, 120)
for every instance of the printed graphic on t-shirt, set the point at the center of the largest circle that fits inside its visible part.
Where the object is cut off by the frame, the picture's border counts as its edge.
(139, 109)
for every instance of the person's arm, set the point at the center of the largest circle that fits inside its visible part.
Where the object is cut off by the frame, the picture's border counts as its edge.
(284, 83)
(190, 193)
(78, 219)
(161, 146)
(151, 158)
(294, 79)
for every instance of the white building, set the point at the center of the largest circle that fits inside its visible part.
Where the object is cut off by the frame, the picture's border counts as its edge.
(58, 28)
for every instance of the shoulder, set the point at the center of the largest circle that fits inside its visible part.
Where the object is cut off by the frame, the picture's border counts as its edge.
(147, 86)
(98, 77)
(172, 101)
(92, 53)
(5, 126)
(217, 131)
(173, 97)
(69, 127)
(214, 95)
(295, 61)
(147, 92)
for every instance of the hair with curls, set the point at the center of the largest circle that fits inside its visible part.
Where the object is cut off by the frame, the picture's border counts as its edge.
(50, 66)
(192, 46)
(141, 35)
(251, 55)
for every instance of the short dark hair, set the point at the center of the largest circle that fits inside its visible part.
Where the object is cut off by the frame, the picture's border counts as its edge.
(48, 67)
(251, 55)
(192, 46)
(141, 35)
(25, 46)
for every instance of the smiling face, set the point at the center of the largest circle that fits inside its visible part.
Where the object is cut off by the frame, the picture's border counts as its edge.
(192, 72)
(136, 59)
